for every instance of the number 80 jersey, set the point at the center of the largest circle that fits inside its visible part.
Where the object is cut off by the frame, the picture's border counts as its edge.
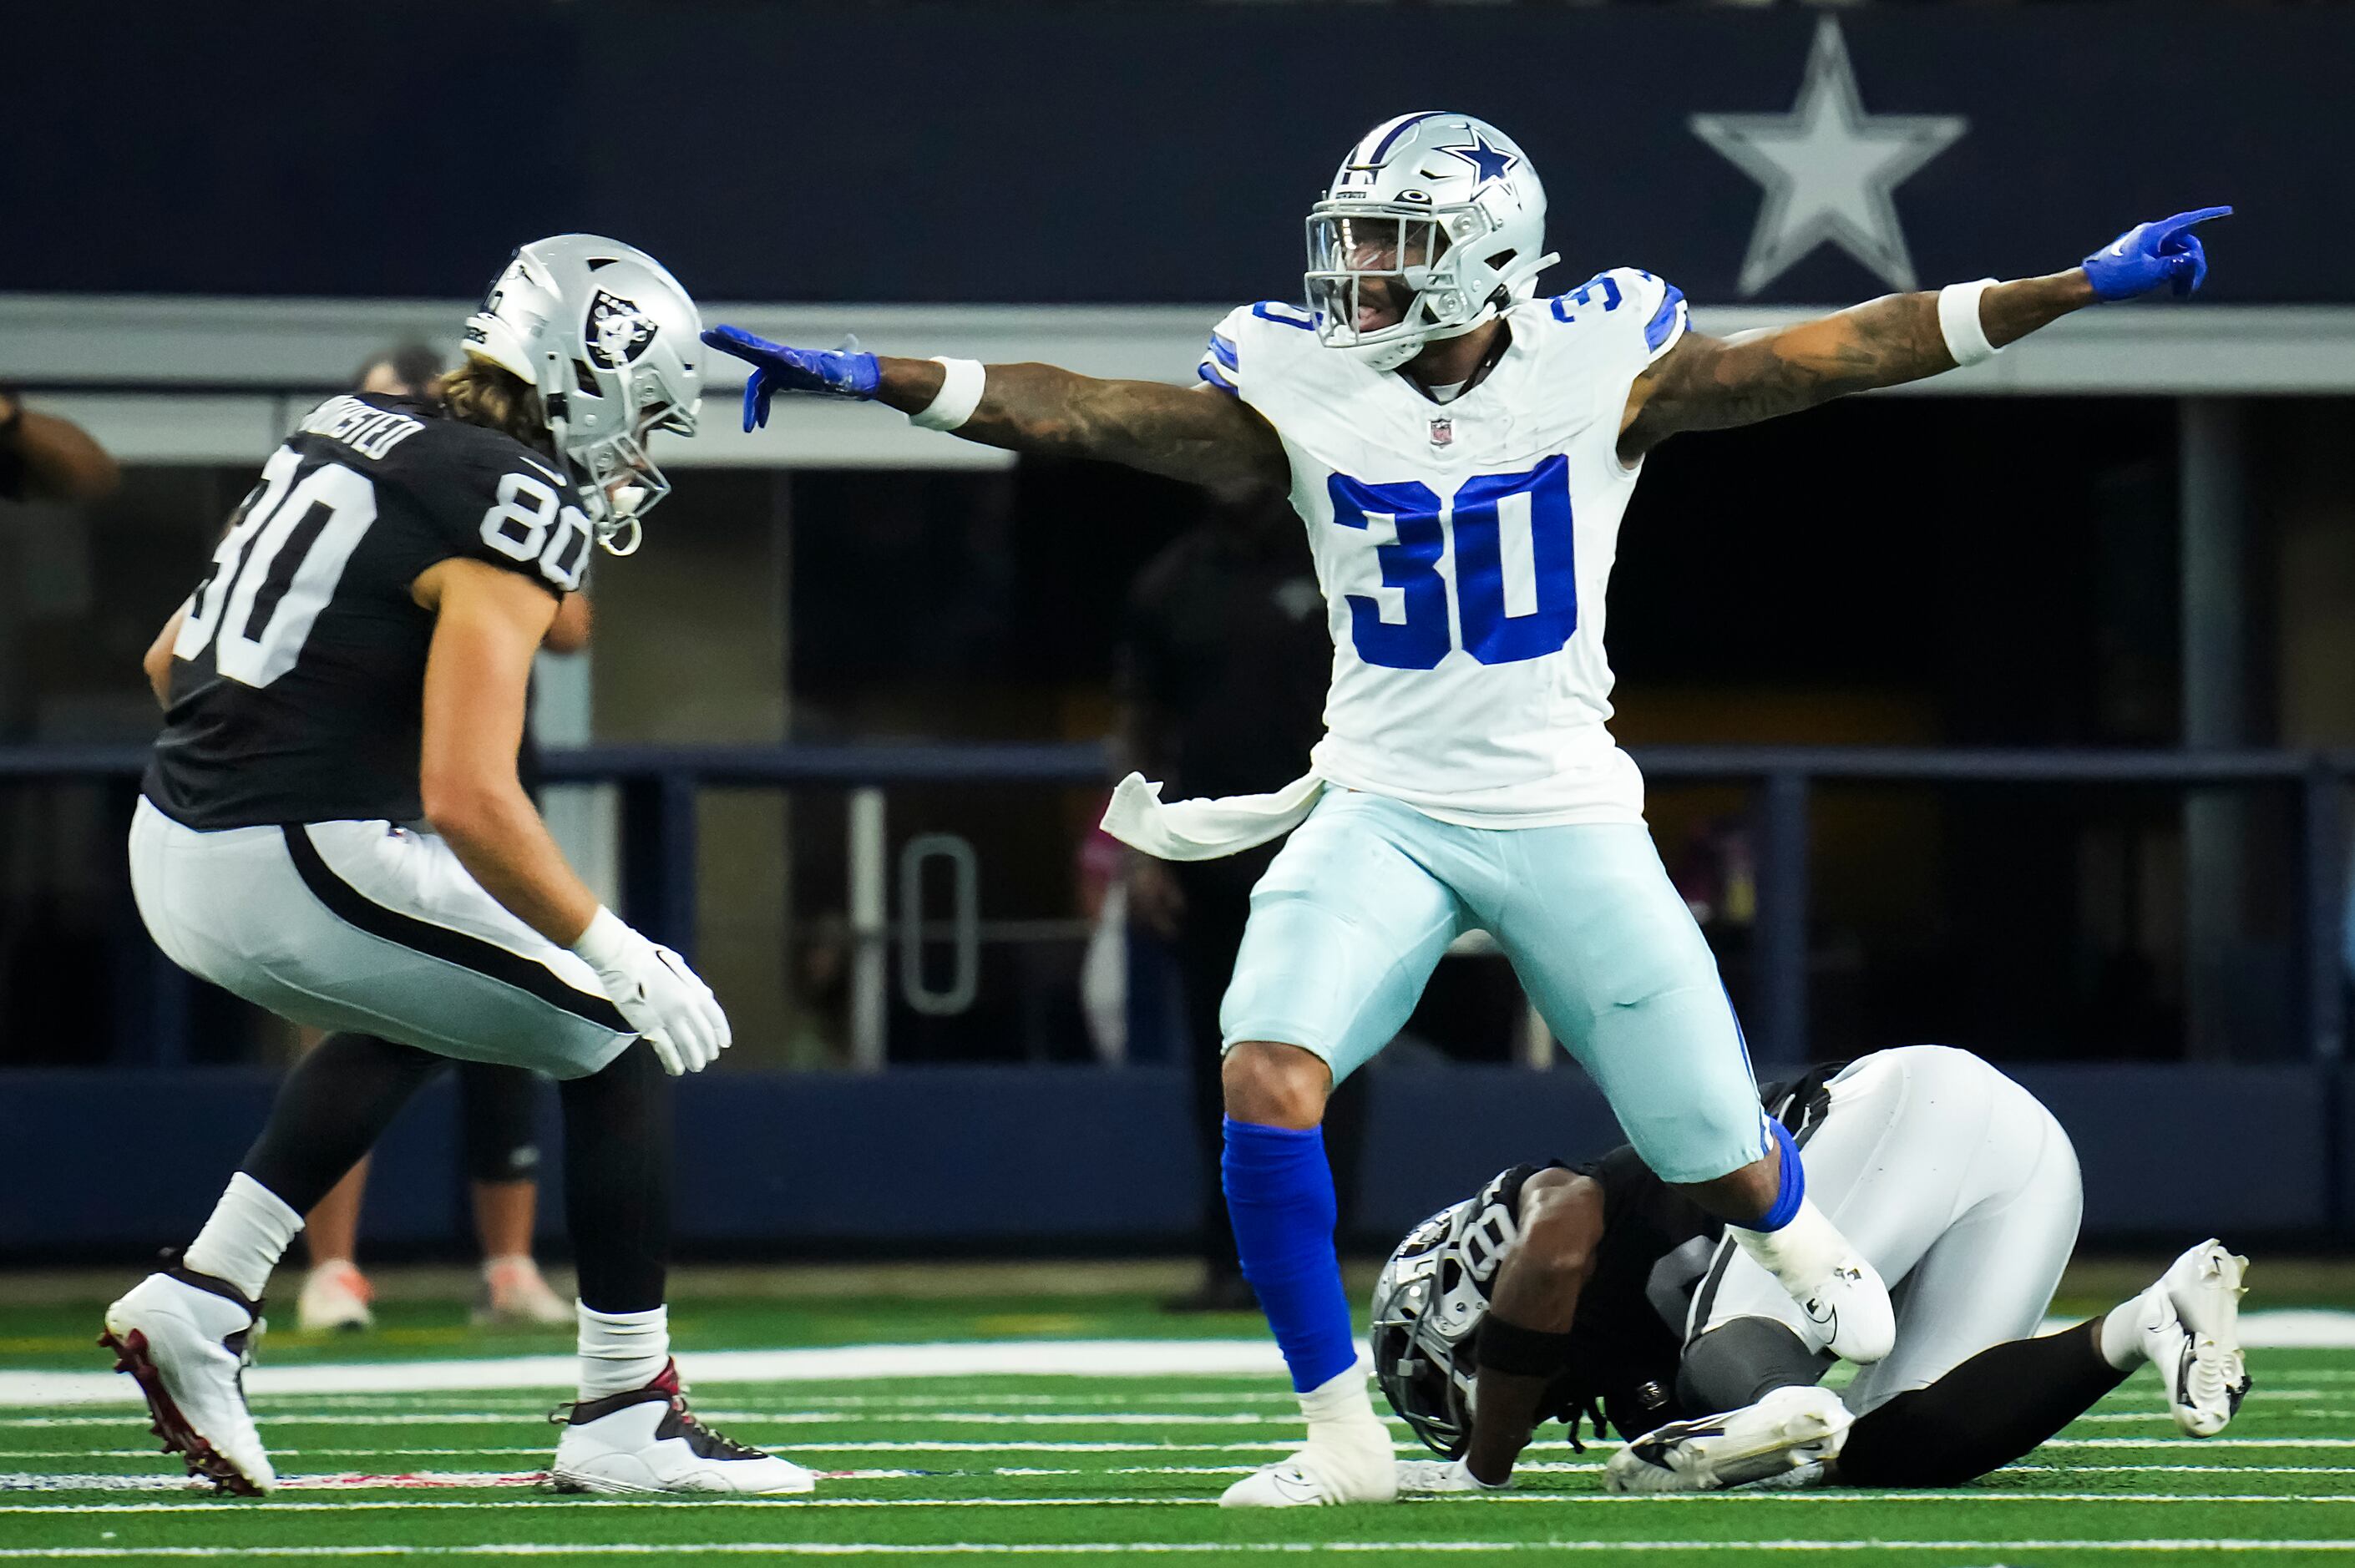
(1464, 549)
(298, 678)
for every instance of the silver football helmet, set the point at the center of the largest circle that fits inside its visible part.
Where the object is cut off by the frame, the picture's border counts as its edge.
(614, 347)
(1435, 217)
(1428, 1303)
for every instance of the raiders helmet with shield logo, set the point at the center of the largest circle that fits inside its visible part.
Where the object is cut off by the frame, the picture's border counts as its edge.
(612, 344)
(1428, 1304)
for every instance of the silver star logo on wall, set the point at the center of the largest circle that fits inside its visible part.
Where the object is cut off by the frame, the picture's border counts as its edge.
(1829, 169)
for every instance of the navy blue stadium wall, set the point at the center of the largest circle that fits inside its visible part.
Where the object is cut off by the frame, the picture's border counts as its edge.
(1060, 1160)
(1012, 152)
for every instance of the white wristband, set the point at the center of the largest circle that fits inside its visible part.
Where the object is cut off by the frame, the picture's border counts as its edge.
(601, 943)
(1958, 322)
(960, 395)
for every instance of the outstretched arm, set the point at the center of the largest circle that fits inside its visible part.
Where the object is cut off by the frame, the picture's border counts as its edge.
(1186, 434)
(1189, 433)
(1710, 383)
(1707, 382)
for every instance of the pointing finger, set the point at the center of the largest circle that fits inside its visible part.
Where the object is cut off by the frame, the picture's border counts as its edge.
(2183, 220)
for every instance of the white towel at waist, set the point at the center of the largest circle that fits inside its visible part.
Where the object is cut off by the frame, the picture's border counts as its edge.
(1209, 828)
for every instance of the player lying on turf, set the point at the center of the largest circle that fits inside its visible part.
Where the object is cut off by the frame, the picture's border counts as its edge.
(1600, 1293)
(333, 828)
(1460, 452)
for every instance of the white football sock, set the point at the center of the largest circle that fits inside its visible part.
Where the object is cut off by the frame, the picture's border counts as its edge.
(1341, 1408)
(251, 1230)
(622, 1351)
(1802, 1255)
(2125, 1327)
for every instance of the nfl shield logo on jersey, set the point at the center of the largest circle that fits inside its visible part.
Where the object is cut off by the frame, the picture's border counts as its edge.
(618, 330)
(1442, 430)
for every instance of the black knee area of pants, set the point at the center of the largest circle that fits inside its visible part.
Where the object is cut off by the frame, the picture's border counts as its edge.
(1741, 1362)
(617, 1181)
(498, 1120)
(1992, 1409)
(333, 1107)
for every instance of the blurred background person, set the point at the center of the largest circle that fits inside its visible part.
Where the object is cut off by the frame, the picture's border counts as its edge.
(497, 1106)
(1222, 676)
(44, 457)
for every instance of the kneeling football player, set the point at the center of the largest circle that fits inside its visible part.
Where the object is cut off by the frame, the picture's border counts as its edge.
(1598, 1293)
(334, 830)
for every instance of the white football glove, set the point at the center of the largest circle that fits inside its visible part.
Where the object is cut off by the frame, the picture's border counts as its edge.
(662, 998)
(1427, 1475)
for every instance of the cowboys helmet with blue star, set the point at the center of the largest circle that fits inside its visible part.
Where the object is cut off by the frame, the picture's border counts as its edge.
(1442, 212)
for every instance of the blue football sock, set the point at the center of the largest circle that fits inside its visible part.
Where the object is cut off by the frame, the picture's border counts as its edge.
(1280, 1199)
(1794, 1181)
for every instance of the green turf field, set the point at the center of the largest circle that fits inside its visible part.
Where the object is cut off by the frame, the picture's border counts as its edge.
(1045, 1467)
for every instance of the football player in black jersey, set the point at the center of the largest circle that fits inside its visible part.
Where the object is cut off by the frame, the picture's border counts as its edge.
(333, 828)
(1598, 1293)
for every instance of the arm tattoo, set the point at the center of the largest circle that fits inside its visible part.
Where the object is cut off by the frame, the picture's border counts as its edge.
(1707, 383)
(1203, 437)
(1710, 383)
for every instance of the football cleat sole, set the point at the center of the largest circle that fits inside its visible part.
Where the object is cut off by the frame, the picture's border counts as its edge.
(1780, 1442)
(2209, 1376)
(204, 1461)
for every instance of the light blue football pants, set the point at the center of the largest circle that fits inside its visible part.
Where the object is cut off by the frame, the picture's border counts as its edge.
(1354, 913)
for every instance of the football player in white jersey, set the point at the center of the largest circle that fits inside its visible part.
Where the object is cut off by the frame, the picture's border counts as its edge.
(1461, 451)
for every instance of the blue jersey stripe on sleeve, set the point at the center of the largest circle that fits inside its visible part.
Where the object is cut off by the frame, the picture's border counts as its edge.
(1211, 374)
(1664, 320)
(1289, 315)
(1224, 348)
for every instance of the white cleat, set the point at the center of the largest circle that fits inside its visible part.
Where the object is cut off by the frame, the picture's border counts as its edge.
(647, 1441)
(2192, 1332)
(516, 1294)
(334, 1299)
(1334, 1467)
(185, 1337)
(1781, 1442)
(1428, 1478)
(1849, 1312)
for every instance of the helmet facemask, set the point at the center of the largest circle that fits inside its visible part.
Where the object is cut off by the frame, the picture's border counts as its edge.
(1356, 252)
(619, 481)
(1426, 1312)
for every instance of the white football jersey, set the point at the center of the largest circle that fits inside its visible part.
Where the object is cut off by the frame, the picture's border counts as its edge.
(1464, 549)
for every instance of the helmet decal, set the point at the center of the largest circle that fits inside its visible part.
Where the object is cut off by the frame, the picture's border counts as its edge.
(617, 331)
(1489, 162)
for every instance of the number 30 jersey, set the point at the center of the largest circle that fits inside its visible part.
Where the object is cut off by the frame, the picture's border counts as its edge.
(1464, 549)
(298, 678)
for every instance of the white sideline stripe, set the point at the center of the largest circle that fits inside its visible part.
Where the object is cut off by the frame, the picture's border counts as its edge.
(1401, 1549)
(830, 1363)
(270, 1417)
(2278, 1330)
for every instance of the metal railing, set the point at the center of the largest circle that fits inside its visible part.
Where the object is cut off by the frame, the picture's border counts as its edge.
(658, 786)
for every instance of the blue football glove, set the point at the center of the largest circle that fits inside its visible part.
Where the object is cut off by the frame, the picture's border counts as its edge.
(2151, 254)
(777, 367)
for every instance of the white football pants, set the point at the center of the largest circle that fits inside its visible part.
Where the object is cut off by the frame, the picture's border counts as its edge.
(1959, 1186)
(373, 928)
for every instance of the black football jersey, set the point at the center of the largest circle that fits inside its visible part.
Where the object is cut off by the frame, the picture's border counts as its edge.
(1656, 1251)
(298, 678)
